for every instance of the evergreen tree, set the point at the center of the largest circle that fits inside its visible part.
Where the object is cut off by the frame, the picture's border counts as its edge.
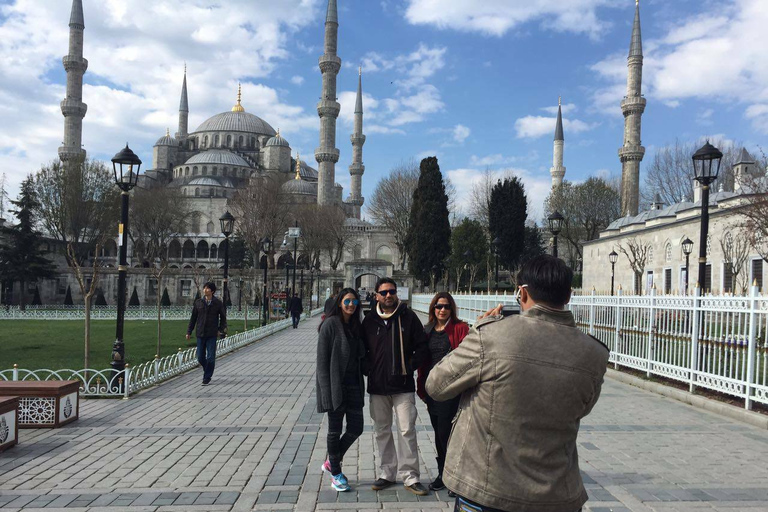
(508, 211)
(534, 244)
(469, 250)
(100, 299)
(166, 300)
(36, 299)
(197, 295)
(134, 298)
(428, 241)
(21, 258)
(68, 297)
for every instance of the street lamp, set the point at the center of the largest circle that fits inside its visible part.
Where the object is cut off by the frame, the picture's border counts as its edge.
(496, 243)
(613, 258)
(227, 228)
(687, 250)
(295, 233)
(706, 166)
(126, 166)
(555, 227)
(266, 246)
(311, 285)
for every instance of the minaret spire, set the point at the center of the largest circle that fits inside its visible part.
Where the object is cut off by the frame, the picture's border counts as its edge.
(357, 169)
(73, 107)
(327, 155)
(183, 109)
(558, 169)
(633, 106)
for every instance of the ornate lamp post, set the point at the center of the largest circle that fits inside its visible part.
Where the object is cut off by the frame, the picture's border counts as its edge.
(496, 243)
(555, 227)
(295, 233)
(687, 250)
(311, 285)
(126, 166)
(227, 228)
(706, 165)
(613, 258)
(266, 246)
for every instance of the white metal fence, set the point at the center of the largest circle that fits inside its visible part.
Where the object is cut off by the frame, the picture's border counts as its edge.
(108, 383)
(713, 342)
(110, 313)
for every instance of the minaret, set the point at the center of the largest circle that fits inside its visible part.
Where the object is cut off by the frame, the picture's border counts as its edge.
(183, 110)
(328, 109)
(633, 106)
(357, 169)
(73, 107)
(558, 170)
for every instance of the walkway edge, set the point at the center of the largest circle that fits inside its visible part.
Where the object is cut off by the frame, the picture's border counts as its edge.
(700, 402)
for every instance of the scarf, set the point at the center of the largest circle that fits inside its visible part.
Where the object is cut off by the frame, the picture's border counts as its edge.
(387, 316)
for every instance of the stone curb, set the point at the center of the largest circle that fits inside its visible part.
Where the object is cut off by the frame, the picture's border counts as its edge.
(700, 402)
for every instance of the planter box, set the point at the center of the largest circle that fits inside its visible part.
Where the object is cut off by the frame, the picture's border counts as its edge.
(46, 404)
(9, 420)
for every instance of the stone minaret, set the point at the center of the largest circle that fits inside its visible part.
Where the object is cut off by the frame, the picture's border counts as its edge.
(357, 169)
(183, 110)
(633, 107)
(328, 109)
(73, 107)
(558, 170)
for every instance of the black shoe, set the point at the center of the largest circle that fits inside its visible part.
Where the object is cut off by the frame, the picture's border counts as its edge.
(381, 484)
(206, 382)
(417, 489)
(451, 494)
(437, 484)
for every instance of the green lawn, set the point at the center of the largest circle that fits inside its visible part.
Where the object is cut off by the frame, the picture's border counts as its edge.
(58, 344)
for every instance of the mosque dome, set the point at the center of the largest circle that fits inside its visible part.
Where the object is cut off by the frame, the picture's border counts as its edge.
(307, 172)
(167, 140)
(237, 120)
(278, 140)
(298, 187)
(217, 157)
(204, 182)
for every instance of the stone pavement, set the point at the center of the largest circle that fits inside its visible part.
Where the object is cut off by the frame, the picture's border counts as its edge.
(252, 441)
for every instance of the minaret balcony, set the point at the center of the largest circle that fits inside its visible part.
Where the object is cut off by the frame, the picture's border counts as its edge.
(327, 155)
(358, 140)
(356, 169)
(71, 154)
(633, 105)
(74, 63)
(328, 108)
(74, 108)
(631, 153)
(330, 64)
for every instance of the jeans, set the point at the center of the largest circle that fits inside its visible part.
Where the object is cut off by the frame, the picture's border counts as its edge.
(206, 355)
(295, 317)
(442, 424)
(465, 505)
(338, 444)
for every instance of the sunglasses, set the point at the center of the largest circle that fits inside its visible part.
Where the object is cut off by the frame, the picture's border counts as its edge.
(353, 302)
(517, 293)
(384, 293)
(440, 307)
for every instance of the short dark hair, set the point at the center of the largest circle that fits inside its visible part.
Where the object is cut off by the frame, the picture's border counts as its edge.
(548, 278)
(211, 286)
(385, 280)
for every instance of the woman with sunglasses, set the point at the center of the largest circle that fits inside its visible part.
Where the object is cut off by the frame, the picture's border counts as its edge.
(444, 333)
(340, 388)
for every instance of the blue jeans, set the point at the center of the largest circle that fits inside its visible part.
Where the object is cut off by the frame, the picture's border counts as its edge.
(295, 317)
(206, 355)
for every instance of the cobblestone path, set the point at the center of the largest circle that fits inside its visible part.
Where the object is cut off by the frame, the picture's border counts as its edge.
(252, 441)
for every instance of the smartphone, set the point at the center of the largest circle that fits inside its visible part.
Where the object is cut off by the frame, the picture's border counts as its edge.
(510, 310)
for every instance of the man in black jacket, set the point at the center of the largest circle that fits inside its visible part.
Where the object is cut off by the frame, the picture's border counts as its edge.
(295, 309)
(395, 346)
(209, 319)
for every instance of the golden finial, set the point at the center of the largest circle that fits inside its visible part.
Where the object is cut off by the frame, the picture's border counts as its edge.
(360, 71)
(239, 106)
(167, 132)
(185, 67)
(637, 3)
(559, 101)
(298, 167)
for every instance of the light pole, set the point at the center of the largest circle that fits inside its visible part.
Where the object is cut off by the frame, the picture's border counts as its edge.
(227, 228)
(467, 257)
(266, 246)
(126, 166)
(240, 293)
(301, 287)
(555, 227)
(496, 242)
(687, 250)
(311, 286)
(706, 166)
(613, 257)
(295, 233)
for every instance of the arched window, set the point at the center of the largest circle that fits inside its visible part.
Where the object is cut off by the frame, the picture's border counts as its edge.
(197, 192)
(198, 142)
(214, 252)
(650, 255)
(202, 250)
(226, 172)
(205, 171)
(184, 191)
(240, 144)
(384, 253)
(211, 227)
(210, 192)
(194, 171)
(174, 250)
(186, 171)
(253, 142)
(668, 253)
(205, 142)
(229, 141)
(216, 140)
(215, 171)
(188, 252)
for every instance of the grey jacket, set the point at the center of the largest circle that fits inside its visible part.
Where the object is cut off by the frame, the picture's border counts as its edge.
(332, 360)
(527, 381)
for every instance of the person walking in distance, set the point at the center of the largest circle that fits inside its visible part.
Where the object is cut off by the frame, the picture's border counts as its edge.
(395, 346)
(295, 309)
(209, 320)
(444, 333)
(339, 380)
(526, 381)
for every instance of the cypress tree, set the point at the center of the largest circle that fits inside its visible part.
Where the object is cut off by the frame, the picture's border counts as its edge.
(534, 244)
(134, 298)
(68, 297)
(100, 299)
(507, 212)
(166, 300)
(429, 238)
(36, 299)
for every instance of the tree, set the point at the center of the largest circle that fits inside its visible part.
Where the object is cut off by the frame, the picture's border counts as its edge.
(480, 197)
(336, 235)
(508, 211)
(534, 245)
(469, 247)
(68, 297)
(36, 301)
(100, 299)
(391, 202)
(637, 252)
(428, 240)
(134, 298)
(166, 300)
(755, 212)
(735, 256)
(21, 259)
(3, 194)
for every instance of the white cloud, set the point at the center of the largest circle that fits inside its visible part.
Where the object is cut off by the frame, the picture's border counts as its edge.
(297, 80)
(461, 133)
(533, 127)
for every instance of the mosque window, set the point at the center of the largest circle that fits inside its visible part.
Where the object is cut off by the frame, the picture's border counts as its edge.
(229, 141)
(225, 172)
(205, 142)
(205, 171)
(194, 171)
(214, 172)
(253, 142)
(187, 171)
(240, 143)
(216, 141)
(197, 192)
(210, 192)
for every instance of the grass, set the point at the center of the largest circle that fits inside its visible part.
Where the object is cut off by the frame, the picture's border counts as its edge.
(58, 344)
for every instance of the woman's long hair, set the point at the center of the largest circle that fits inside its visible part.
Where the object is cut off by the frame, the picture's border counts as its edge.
(443, 295)
(354, 322)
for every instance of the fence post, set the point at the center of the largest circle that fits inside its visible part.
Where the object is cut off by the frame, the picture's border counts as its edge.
(651, 328)
(752, 348)
(617, 338)
(127, 382)
(157, 368)
(179, 357)
(695, 336)
(592, 313)
(15, 372)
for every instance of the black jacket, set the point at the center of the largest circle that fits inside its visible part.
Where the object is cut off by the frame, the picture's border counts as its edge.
(208, 321)
(333, 356)
(295, 307)
(390, 369)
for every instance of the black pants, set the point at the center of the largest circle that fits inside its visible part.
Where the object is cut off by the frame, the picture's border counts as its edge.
(338, 444)
(465, 505)
(441, 416)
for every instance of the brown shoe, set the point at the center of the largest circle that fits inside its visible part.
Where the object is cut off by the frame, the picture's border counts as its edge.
(381, 484)
(417, 489)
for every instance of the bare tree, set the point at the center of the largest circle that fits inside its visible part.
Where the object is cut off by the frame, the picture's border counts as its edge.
(87, 289)
(755, 212)
(313, 240)
(480, 197)
(3, 195)
(735, 254)
(637, 252)
(390, 204)
(337, 234)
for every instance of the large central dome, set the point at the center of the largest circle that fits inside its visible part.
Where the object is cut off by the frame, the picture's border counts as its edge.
(237, 122)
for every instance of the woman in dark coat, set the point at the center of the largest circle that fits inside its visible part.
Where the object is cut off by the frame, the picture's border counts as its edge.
(340, 387)
(444, 333)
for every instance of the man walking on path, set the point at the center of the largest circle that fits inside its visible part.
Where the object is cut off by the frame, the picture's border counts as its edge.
(395, 346)
(295, 309)
(209, 319)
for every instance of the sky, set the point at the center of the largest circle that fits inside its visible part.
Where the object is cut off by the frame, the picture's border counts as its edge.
(473, 82)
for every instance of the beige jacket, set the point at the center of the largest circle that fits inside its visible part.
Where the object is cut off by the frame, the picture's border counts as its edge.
(527, 381)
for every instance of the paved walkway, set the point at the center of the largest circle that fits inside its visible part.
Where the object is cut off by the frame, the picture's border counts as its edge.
(252, 441)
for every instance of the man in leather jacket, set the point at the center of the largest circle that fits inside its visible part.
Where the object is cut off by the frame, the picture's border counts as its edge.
(209, 320)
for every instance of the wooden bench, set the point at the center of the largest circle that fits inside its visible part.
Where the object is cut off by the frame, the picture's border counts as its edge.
(44, 404)
(9, 420)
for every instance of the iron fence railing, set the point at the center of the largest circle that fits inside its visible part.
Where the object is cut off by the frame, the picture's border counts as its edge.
(110, 313)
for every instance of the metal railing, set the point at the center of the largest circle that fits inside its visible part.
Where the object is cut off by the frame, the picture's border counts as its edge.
(714, 342)
(110, 313)
(109, 383)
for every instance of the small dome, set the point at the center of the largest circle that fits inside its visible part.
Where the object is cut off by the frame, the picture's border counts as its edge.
(205, 182)
(278, 140)
(217, 156)
(298, 187)
(167, 140)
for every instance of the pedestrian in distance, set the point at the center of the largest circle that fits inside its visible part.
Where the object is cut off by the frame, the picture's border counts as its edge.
(340, 388)
(526, 381)
(295, 309)
(395, 346)
(445, 332)
(209, 321)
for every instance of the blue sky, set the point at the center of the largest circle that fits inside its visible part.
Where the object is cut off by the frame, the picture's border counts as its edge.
(474, 82)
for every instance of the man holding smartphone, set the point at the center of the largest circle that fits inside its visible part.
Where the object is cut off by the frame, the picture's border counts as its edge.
(526, 382)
